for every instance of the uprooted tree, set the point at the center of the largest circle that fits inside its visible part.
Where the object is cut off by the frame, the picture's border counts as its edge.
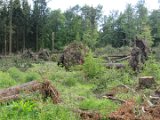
(46, 89)
(73, 54)
(138, 54)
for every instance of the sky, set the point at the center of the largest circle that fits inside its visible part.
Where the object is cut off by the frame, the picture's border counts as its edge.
(108, 5)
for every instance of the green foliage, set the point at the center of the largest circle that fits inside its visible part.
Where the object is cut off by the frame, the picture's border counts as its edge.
(151, 68)
(32, 76)
(55, 112)
(16, 74)
(6, 80)
(102, 105)
(112, 78)
(93, 67)
(23, 107)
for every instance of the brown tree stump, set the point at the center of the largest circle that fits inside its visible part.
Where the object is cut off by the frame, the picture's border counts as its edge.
(146, 81)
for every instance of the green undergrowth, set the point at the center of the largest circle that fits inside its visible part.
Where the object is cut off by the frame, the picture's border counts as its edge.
(82, 87)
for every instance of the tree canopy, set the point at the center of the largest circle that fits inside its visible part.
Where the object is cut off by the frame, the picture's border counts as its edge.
(24, 27)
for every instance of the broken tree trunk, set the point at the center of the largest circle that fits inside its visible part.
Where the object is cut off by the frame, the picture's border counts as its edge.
(146, 81)
(115, 65)
(122, 59)
(16, 92)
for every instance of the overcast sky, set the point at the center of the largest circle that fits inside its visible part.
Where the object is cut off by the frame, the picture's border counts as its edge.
(108, 5)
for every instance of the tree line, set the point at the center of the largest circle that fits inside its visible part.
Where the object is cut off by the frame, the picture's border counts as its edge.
(23, 26)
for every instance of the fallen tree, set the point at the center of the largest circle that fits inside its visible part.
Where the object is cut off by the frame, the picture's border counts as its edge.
(115, 65)
(46, 89)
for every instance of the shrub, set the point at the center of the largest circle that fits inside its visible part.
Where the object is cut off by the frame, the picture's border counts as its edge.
(92, 67)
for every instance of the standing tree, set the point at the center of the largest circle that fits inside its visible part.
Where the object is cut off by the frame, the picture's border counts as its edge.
(142, 27)
(10, 25)
(26, 22)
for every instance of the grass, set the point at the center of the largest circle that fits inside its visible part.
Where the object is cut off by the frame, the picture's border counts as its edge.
(80, 88)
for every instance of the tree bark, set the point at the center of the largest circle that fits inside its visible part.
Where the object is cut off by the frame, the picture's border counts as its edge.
(24, 38)
(53, 41)
(10, 27)
(115, 65)
(17, 92)
(5, 40)
(146, 81)
(37, 38)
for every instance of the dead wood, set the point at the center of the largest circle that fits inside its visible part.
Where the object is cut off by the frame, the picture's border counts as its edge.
(115, 65)
(88, 115)
(146, 81)
(17, 92)
(114, 99)
(122, 59)
(119, 56)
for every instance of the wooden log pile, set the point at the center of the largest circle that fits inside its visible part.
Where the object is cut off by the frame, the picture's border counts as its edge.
(18, 92)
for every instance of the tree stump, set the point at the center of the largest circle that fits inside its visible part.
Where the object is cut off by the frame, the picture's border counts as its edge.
(146, 81)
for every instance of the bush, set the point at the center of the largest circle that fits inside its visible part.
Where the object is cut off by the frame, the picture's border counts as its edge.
(93, 67)
(112, 78)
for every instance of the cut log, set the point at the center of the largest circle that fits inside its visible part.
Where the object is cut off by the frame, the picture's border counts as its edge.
(17, 92)
(146, 81)
(115, 65)
(119, 56)
(122, 59)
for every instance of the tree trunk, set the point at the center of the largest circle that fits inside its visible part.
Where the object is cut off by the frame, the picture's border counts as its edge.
(24, 39)
(37, 38)
(53, 41)
(115, 65)
(10, 28)
(20, 91)
(5, 40)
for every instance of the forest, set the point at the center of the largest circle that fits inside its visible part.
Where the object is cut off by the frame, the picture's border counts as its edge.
(23, 26)
(79, 64)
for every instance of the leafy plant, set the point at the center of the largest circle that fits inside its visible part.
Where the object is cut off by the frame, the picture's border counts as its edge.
(24, 106)
(93, 67)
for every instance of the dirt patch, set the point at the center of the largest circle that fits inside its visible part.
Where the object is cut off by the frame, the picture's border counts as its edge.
(125, 112)
(89, 115)
(151, 113)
